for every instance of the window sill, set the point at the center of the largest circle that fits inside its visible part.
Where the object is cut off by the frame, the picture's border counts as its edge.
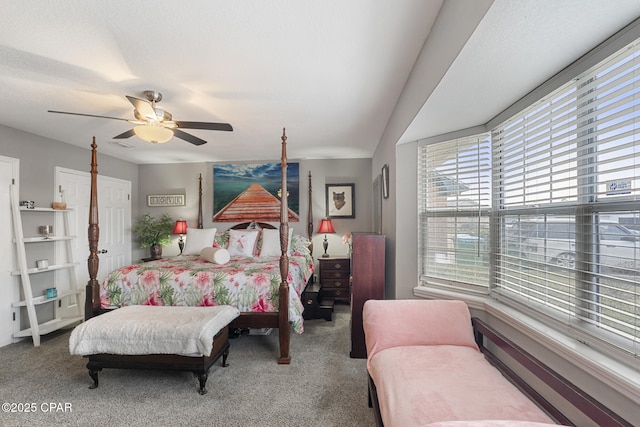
(600, 366)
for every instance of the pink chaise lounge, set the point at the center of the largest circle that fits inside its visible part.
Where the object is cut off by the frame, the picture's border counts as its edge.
(427, 369)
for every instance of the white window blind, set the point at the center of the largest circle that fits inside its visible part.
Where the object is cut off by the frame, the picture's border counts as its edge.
(454, 206)
(566, 176)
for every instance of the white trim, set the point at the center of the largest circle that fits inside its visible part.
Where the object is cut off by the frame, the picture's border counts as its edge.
(600, 366)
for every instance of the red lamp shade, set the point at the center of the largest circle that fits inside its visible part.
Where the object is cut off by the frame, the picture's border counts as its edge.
(180, 227)
(325, 226)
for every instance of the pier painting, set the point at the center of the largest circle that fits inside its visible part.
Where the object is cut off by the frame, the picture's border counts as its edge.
(251, 192)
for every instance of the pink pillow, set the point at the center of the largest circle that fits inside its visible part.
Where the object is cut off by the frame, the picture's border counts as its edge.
(395, 323)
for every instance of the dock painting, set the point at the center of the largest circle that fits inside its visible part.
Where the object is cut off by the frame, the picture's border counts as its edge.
(250, 192)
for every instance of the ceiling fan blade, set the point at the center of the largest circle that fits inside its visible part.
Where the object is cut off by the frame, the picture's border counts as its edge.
(204, 125)
(188, 137)
(143, 107)
(87, 115)
(125, 135)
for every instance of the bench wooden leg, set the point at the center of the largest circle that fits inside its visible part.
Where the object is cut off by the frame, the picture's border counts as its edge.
(202, 378)
(93, 373)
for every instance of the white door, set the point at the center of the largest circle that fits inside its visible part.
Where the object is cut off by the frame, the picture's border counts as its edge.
(9, 285)
(114, 217)
(114, 206)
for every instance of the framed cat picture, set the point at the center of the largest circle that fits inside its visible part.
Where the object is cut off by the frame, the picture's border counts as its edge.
(341, 200)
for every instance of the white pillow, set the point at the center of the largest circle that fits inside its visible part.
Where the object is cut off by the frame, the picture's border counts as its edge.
(215, 255)
(242, 242)
(271, 243)
(198, 238)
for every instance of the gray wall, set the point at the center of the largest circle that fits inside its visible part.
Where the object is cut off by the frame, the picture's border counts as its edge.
(39, 157)
(183, 179)
(43, 155)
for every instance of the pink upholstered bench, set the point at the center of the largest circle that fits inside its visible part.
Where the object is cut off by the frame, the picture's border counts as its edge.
(427, 368)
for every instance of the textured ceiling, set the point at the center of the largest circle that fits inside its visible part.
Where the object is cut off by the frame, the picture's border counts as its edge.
(331, 71)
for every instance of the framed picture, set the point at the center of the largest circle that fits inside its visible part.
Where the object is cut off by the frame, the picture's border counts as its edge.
(385, 181)
(165, 200)
(236, 185)
(341, 200)
(377, 204)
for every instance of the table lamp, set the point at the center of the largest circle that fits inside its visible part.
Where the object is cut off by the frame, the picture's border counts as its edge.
(325, 227)
(181, 229)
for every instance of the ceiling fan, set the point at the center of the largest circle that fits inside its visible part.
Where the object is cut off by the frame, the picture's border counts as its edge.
(156, 125)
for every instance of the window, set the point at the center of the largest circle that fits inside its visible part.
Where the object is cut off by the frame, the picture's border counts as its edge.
(568, 180)
(455, 202)
(544, 213)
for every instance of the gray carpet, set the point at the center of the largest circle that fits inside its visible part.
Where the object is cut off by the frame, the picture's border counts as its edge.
(321, 387)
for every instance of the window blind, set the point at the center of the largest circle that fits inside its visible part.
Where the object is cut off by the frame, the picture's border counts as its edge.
(454, 206)
(566, 176)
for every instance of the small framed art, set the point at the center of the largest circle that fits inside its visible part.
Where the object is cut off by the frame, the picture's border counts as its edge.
(165, 200)
(340, 200)
(385, 181)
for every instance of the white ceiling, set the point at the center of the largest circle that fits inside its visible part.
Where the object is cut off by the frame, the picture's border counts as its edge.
(330, 71)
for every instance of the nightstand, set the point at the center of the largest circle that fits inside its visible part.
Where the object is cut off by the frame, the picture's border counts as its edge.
(334, 279)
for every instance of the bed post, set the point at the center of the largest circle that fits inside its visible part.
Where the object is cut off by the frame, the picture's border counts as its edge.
(310, 217)
(284, 331)
(200, 202)
(92, 297)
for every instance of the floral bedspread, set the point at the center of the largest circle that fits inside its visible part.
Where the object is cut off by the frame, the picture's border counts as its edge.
(248, 283)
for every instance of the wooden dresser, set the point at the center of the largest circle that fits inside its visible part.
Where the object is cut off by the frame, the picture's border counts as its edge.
(334, 279)
(367, 282)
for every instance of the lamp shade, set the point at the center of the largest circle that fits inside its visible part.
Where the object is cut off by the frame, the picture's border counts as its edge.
(180, 227)
(153, 132)
(325, 226)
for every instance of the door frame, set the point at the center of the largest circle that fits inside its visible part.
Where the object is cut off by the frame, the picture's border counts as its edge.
(11, 289)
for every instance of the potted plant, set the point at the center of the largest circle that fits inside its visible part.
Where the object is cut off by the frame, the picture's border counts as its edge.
(154, 233)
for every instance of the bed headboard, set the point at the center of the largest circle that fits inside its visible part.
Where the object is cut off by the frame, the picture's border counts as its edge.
(259, 225)
(252, 225)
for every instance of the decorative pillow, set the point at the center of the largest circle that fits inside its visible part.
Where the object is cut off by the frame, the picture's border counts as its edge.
(271, 243)
(198, 238)
(299, 245)
(242, 242)
(221, 240)
(215, 255)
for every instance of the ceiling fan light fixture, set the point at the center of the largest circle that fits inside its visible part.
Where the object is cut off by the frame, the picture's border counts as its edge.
(153, 133)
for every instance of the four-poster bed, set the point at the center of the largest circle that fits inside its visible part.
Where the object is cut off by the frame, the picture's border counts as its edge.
(279, 319)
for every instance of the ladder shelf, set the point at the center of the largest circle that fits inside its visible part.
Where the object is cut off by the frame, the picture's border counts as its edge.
(61, 318)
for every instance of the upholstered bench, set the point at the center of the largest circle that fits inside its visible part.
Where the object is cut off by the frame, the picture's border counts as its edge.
(155, 337)
(428, 366)
(425, 367)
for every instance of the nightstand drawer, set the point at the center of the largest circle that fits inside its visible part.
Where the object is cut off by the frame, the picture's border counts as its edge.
(335, 264)
(335, 283)
(335, 293)
(327, 275)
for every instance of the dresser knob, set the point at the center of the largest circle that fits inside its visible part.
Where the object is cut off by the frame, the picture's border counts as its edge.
(337, 266)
